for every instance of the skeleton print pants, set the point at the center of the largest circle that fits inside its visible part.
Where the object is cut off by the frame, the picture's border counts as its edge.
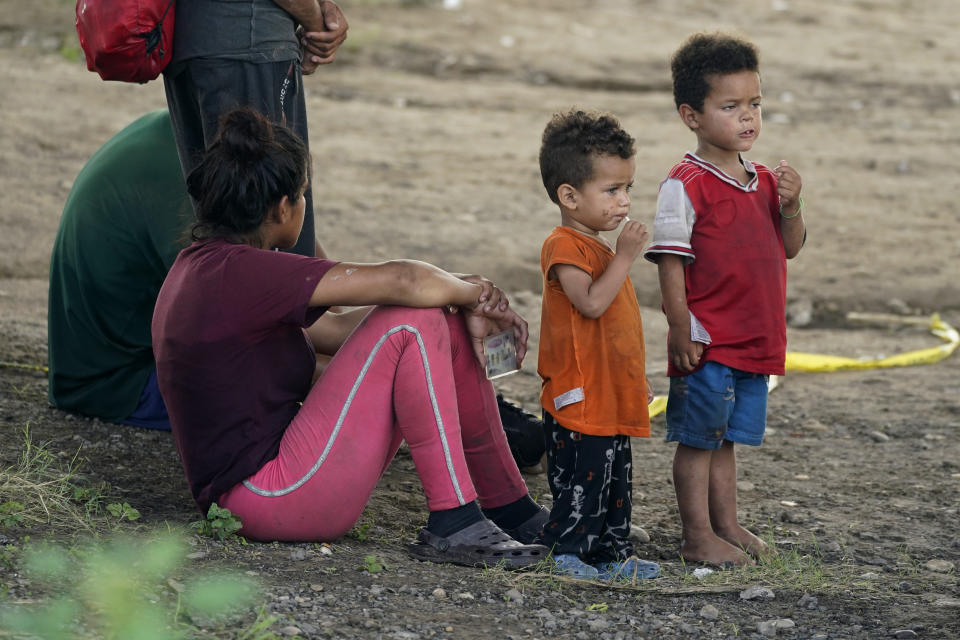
(591, 480)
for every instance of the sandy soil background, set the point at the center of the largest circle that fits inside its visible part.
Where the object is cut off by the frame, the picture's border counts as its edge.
(425, 135)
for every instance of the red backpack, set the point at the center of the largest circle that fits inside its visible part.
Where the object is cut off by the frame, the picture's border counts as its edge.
(126, 40)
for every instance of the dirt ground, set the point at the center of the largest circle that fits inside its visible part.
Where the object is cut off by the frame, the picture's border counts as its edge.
(425, 135)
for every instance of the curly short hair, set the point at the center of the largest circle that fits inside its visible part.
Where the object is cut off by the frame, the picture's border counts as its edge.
(704, 55)
(570, 142)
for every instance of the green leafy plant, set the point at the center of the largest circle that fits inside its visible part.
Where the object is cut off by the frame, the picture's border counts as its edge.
(11, 514)
(91, 498)
(125, 588)
(123, 511)
(360, 532)
(219, 524)
(373, 564)
(8, 556)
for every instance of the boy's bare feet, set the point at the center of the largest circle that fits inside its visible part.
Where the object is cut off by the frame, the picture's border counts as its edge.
(713, 550)
(743, 539)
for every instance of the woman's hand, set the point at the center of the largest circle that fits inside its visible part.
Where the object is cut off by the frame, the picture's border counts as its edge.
(491, 297)
(481, 323)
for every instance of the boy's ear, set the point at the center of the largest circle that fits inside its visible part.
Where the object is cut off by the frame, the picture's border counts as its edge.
(567, 195)
(689, 115)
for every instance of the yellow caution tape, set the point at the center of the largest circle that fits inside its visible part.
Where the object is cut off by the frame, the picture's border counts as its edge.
(658, 405)
(930, 355)
(813, 362)
(28, 367)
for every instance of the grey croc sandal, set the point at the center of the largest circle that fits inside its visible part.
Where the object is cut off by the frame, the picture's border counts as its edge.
(482, 544)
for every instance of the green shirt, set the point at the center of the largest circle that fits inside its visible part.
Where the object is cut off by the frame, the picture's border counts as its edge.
(119, 234)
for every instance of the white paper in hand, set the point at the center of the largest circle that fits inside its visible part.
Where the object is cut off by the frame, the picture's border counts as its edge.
(697, 332)
(500, 350)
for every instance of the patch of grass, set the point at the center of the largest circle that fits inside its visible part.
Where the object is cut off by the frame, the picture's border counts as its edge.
(11, 514)
(43, 488)
(799, 568)
(91, 498)
(39, 489)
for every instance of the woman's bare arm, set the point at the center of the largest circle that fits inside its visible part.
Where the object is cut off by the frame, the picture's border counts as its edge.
(409, 283)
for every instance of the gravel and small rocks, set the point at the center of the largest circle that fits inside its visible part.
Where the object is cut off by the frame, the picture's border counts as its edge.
(709, 612)
(757, 592)
(770, 628)
(939, 566)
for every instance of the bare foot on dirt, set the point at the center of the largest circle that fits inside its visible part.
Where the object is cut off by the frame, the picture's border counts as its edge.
(714, 551)
(743, 539)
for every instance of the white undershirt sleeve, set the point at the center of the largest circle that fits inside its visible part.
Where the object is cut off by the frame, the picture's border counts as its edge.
(673, 224)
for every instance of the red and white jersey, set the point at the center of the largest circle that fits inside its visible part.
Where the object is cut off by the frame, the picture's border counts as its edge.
(735, 266)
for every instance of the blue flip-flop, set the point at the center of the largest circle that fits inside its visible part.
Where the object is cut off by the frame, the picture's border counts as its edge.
(569, 564)
(630, 570)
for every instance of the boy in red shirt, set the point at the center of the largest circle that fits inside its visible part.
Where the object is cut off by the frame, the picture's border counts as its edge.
(723, 230)
(591, 359)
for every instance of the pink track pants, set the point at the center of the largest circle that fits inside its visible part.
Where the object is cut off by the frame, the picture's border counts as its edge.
(403, 374)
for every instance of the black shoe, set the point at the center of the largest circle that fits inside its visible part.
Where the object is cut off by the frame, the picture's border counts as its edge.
(528, 531)
(524, 433)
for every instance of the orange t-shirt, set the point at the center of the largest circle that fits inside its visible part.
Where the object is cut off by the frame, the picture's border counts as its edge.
(593, 370)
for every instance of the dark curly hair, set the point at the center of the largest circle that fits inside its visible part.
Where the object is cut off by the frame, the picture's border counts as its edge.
(244, 173)
(704, 55)
(571, 141)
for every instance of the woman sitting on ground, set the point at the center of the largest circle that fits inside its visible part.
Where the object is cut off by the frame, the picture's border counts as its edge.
(236, 331)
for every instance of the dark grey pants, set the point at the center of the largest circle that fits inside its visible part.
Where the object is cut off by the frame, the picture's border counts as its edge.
(199, 90)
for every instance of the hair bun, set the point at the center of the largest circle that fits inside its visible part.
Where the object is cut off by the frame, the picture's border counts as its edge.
(245, 135)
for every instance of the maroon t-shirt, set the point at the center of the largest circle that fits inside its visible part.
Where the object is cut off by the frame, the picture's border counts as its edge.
(233, 360)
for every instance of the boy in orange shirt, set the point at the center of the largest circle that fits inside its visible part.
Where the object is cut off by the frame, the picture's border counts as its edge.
(595, 392)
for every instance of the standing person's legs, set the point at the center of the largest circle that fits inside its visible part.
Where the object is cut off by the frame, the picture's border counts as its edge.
(691, 481)
(579, 472)
(614, 543)
(723, 502)
(393, 379)
(185, 115)
(746, 425)
(698, 408)
(200, 90)
(614, 557)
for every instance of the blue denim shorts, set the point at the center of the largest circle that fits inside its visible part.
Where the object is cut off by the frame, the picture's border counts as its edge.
(717, 403)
